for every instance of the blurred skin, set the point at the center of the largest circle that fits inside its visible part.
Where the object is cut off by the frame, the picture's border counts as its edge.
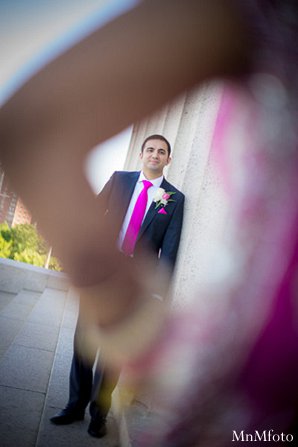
(114, 77)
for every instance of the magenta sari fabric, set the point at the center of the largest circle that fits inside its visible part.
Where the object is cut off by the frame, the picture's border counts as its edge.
(243, 352)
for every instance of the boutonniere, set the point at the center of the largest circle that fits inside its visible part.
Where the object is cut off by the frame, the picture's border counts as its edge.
(162, 198)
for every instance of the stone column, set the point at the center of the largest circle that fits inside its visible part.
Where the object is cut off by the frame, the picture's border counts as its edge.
(188, 124)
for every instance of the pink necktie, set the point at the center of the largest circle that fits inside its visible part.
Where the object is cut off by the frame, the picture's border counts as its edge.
(136, 219)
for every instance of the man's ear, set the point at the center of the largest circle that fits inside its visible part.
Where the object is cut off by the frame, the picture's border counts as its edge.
(169, 160)
(141, 155)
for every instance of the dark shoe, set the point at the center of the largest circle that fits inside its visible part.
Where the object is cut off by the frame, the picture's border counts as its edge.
(97, 428)
(67, 416)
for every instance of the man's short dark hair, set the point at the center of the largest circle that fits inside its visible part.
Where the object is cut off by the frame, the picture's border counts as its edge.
(157, 137)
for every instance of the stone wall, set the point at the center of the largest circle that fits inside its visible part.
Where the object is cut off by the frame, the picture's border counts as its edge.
(15, 276)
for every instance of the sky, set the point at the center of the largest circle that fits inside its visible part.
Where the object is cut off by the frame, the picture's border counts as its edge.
(32, 32)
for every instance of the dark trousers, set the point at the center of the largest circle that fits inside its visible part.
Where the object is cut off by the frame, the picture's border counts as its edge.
(87, 386)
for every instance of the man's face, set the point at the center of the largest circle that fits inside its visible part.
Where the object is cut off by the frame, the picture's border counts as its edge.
(155, 156)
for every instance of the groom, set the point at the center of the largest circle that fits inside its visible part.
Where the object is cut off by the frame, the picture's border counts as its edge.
(150, 215)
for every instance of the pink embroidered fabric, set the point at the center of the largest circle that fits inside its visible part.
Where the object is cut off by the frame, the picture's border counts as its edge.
(246, 370)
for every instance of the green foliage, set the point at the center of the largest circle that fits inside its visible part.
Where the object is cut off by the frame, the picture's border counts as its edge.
(5, 247)
(25, 236)
(30, 256)
(54, 264)
(5, 231)
(24, 243)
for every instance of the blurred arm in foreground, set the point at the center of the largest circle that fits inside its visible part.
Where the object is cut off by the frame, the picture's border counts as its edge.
(112, 78)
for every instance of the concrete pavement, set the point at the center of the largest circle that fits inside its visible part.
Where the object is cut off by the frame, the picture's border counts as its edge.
(36, 336)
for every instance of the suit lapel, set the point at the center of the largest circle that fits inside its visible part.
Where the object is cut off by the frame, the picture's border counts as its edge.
(148, 219)
(121, 196)
(152, 212)
(128, 191)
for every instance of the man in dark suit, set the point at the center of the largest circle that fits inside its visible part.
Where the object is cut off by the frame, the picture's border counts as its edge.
(147, 214)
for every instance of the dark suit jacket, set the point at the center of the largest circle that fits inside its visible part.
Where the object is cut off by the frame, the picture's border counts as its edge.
(160, 233)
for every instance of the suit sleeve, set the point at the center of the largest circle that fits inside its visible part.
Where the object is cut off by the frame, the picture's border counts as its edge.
(171, 240)
(104, 195)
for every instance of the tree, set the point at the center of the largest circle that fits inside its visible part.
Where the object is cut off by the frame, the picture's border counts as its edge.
(25, 236)
(5, 231)
(5, 241)
(5, 247)
(24, 243)
(30, 256)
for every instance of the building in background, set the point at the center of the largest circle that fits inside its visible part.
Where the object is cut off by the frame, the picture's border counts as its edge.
(21, 214)
(12, 210)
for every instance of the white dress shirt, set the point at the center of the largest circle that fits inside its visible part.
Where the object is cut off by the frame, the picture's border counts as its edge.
(138, 188)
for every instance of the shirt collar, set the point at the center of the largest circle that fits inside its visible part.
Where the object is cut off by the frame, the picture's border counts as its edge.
(155, 182)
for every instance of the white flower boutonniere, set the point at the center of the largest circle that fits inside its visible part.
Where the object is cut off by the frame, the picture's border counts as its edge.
(162, 198)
